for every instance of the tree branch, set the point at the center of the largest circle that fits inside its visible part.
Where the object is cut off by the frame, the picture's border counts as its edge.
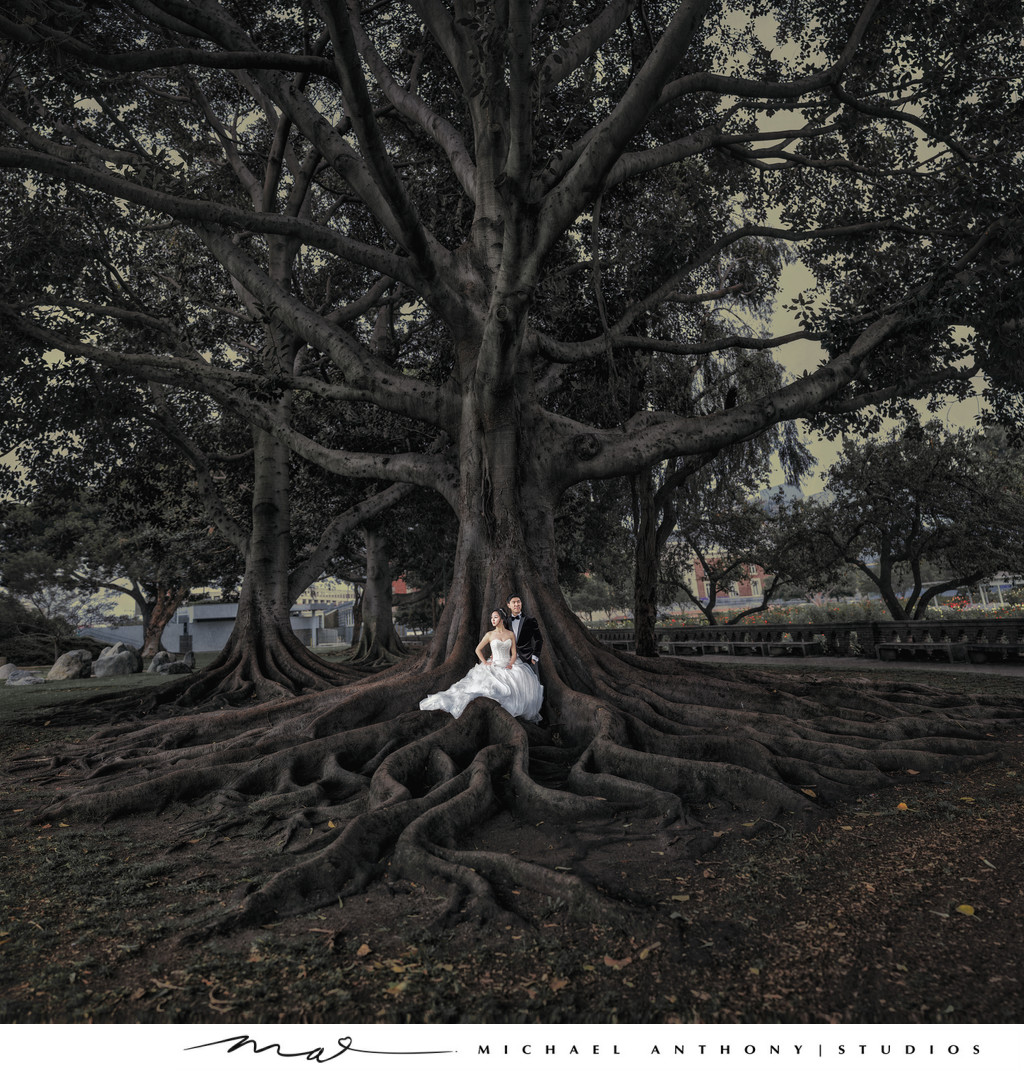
(314, 565)
(194, 211)
(415, 109)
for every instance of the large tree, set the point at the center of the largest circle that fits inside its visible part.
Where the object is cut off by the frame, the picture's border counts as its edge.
(462, 155)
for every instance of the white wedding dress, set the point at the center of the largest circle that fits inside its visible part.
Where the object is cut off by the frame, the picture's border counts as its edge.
(515, 688)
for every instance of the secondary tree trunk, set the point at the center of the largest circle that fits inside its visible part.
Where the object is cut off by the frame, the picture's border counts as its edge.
(263, 658)
(378, 644)
(645, 566)
(156, 614)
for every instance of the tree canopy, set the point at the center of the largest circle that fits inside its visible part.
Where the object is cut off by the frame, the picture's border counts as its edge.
(873, 140)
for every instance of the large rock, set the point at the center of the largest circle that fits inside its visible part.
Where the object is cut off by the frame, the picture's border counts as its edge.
(24, 678)
(172, 664)
(116, 664)
(119, 659)
(7, 670)
(76, 664)
(160, 660)
(176, 667)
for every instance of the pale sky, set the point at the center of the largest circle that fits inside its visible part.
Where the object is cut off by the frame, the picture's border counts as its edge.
(803, 356)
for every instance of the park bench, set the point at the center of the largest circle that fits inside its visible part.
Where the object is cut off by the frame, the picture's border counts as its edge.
(719, 648)
(686, 648)
(795, 648)
(980, 653)
(891, 650)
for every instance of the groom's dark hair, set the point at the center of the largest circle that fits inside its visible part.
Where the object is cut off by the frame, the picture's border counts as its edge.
(512, 597)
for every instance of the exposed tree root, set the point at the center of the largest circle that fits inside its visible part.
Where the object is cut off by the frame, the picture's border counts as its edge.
(354, 792)
(251, 670)
(375, 650)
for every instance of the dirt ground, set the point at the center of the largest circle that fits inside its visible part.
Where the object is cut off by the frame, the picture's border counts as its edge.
(902, 906)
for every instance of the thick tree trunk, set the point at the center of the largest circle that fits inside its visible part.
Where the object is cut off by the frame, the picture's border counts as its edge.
(378, 644)
(263, 658)
(645, 567)
(157, 614)
(358, 782)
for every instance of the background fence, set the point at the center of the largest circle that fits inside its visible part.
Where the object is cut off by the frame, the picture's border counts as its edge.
(976, 640)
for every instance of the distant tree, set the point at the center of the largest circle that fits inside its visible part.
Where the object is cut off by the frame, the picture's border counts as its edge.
(116, 514)
(38, 612)
(718, 537)
(593, 595)
(924, 511)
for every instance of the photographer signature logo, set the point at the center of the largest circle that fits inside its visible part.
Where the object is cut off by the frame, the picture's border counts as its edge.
(316, 1055)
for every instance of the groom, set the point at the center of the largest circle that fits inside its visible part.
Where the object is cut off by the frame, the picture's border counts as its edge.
(528, 639)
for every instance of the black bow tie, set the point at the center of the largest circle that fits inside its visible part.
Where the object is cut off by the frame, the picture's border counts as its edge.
(515, 617)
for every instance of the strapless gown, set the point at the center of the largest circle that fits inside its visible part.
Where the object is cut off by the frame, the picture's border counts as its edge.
(516, 689)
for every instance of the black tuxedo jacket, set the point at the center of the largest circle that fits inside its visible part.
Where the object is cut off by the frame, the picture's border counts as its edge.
(529, 643)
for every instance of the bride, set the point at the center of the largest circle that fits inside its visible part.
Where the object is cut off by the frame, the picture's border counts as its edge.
(504, 678)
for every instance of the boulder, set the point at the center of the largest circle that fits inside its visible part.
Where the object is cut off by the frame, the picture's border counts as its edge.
(116, 664)
(24, 678)
(6, 670)
(176, 667)
(122, 648)
(159, 661)
(76, 664)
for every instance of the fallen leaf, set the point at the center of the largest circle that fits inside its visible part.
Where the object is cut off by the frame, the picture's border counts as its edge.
(966, 799)
(846, 827)
(913, 772)
(363, 951)
(648, 949)
(680, 898)
(903, 805)
(963, 908)
(331, 824)
(558, 984)
(808, 792)
(616, 963)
